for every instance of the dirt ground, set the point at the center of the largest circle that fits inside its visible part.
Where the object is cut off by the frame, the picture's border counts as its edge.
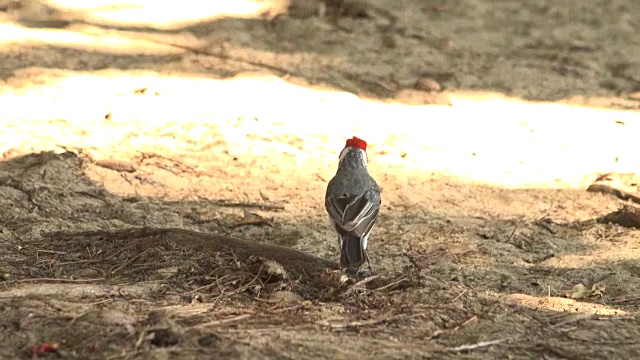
(163, 178)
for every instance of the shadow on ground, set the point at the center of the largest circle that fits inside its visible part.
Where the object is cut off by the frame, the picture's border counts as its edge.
(108, 276)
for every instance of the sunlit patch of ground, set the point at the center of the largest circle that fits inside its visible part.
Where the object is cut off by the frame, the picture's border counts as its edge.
(89, 39)
(563, 305)
(498, 141)
(143, 13)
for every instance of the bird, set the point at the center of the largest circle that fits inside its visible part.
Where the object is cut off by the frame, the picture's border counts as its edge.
(352, 201)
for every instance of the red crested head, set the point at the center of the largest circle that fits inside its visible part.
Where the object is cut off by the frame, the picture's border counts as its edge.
(357, 143)
(358, 156)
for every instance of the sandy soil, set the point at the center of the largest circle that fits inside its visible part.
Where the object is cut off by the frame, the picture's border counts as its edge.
(164, 170)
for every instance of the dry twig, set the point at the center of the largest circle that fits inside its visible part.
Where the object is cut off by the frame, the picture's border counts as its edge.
(222, 321)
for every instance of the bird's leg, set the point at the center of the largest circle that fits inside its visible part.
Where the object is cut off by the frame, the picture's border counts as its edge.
(366, 256)
(343, 270)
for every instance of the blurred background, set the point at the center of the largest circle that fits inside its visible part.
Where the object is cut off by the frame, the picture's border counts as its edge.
(494, 91)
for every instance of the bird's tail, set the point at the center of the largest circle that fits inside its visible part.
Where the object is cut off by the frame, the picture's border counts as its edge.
(352, 254)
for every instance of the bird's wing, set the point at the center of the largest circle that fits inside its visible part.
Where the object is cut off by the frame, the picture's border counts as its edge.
(355, 213)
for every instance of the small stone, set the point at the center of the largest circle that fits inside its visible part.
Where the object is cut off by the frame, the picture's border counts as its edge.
(428, 85)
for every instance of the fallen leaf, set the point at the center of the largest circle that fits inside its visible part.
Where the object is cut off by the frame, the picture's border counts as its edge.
(582, 292)
(254, 219)
(275, 268)
(578, 292)
(598, 289)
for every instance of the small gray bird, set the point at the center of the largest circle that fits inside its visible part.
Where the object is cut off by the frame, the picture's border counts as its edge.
(353, 201)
